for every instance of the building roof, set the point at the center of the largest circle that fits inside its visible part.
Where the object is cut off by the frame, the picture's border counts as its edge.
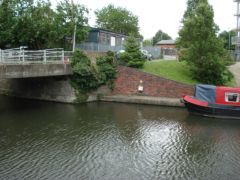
(166, 42)
(94, 29)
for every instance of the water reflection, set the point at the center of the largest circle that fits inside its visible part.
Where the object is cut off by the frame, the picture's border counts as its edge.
(113, 141)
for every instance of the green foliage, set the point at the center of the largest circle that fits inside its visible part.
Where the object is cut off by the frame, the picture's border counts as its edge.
(160, 35)
(86, 77)
(147, 42)
(132, 56)
(107, 69)
(35, 24)
(81, 97)
(201, 48)
(7, 20)
(191, 6)
(67, 16)
(117, 19)
(226, 38)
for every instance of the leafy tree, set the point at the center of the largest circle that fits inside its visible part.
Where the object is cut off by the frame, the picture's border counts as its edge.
(117, 19)
(200, 46)
(132, 55)
(7, 21)
(69, 15)
(226, 38)
(160, 35)
(147, 42)
(191, 6)
(35, 24)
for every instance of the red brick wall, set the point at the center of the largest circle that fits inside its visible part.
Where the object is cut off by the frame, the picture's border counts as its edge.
(128, 80)
(166, 46)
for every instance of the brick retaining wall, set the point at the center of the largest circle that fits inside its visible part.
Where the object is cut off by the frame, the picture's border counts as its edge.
(129, 78)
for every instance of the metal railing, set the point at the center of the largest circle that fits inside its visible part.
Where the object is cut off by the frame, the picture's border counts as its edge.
(18, 56)
(96, 47)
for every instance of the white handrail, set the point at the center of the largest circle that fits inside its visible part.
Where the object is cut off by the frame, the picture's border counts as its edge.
(30, 56)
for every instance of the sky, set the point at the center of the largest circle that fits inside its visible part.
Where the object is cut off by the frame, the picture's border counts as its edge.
(165, 15)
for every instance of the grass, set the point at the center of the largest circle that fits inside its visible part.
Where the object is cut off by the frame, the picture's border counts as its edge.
(174, 70)
(170, 69)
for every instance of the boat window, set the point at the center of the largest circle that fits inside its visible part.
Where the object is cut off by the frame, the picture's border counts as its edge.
(231, 97)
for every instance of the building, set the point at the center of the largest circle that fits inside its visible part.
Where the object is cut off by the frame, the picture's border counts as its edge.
(106, 37)
(168, 49)
(103, 40)
(166, 44)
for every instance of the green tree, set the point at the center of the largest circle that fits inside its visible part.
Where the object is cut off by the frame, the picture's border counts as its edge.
(69, 15)
(132, 56)
(200, 46)
(191, 6)
(226, 38)
(160, 35)
(117, 19)
(35, 24)
(147, 42)
(7, 21)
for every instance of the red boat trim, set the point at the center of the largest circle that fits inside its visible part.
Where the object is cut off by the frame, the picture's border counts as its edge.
(192, 100)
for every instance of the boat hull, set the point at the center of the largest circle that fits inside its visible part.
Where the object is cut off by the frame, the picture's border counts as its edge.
(213, 110)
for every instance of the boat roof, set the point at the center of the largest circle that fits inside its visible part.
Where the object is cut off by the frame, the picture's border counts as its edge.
(216, 94)
(205, 92)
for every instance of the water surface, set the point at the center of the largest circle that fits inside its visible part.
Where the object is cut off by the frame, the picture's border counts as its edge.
(42, 140)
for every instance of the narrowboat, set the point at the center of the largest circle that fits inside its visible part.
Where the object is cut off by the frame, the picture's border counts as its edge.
(214, 101)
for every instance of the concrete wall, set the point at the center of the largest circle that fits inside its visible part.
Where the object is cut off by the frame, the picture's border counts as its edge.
(34, 70)
(46, 88)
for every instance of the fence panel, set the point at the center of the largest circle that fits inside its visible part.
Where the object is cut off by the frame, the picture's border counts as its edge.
(95, 47)
(155, 51)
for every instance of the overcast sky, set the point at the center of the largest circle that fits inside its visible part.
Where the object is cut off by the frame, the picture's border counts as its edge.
(166, 15)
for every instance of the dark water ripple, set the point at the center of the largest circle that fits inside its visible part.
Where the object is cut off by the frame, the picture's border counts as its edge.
(114, 141)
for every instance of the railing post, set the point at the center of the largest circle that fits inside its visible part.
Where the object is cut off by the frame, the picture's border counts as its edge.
(63, 56)
(44, 56)
(23, 55)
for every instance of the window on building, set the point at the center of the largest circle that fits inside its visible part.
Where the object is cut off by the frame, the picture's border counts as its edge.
(232, 97)
(113, 41)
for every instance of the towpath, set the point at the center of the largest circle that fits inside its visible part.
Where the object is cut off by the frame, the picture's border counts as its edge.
(235, 69)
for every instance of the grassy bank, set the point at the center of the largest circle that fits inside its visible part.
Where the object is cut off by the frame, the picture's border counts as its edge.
(170, 69)
(174, 70)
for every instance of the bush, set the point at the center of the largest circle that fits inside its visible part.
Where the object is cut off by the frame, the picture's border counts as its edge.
(106, 69)
(84, 76)
(132, 56)
(87, 77)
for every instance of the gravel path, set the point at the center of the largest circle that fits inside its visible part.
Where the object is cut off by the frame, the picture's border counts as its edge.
(235, 69)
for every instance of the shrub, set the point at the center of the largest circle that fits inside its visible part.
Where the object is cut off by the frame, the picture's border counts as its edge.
(84, 74)
(106, 69)
(132, 56)
(87, 77)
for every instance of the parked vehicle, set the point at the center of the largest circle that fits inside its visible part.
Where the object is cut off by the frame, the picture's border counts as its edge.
(145, 54)
(118, 53)
(214, 101)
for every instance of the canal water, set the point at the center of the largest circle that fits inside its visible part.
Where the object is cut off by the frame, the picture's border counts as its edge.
(42, 140)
